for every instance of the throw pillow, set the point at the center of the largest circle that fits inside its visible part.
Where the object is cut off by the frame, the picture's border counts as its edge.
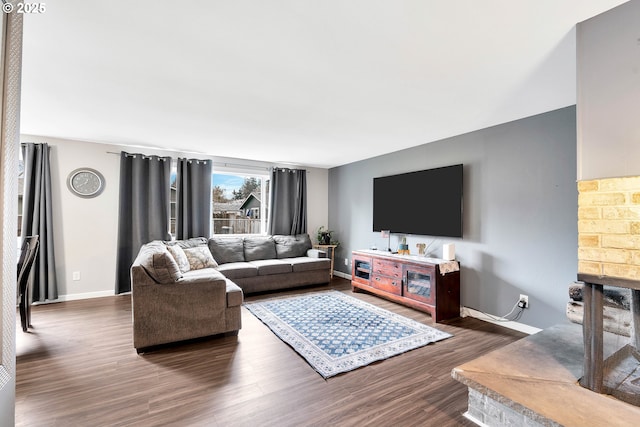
(199, 258)
(189, 243)
(292, 246)
(159, 263)
(181, 258)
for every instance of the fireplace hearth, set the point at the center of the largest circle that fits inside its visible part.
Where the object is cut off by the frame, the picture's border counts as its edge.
(534, 382)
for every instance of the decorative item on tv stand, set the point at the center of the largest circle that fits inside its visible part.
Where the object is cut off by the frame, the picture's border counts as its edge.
(423, 248)
(449, 251)
(386, 234)
(403, 248)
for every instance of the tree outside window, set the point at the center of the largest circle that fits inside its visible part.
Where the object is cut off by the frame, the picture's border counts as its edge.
(239, 203)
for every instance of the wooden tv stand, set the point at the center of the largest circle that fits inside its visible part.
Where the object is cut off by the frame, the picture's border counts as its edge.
(410, 280)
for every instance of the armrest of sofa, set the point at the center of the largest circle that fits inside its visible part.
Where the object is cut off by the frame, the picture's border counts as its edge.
(203, 275)
(316, 253)
(140, 275)
(235, 296)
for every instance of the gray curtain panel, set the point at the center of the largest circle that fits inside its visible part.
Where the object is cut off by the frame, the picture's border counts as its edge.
(143, 216)
(193, 203)
(37, 219)
(288, 201)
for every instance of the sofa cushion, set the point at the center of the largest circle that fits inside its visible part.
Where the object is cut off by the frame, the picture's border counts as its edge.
(259, 247)
(159, 263)
(199, 257)
(181, 258)
(226, 249)
(292, 246)
(188, 243)
(271, 266)
(238, 270)
(309, 264)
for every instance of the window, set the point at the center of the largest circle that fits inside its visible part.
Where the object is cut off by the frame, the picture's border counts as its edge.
(239, 202)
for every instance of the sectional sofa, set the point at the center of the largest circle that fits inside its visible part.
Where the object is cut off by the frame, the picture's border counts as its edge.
(267, 263)
(194, 288)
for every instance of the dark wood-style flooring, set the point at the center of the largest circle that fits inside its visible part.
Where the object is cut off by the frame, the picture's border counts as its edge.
(77, 367)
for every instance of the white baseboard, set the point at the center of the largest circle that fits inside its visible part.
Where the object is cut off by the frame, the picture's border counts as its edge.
(465, 311)
(87, 295)
(517, 326)
(341, 274)
(73, 297)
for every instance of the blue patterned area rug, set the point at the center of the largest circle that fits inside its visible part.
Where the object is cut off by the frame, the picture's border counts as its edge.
(337, 333)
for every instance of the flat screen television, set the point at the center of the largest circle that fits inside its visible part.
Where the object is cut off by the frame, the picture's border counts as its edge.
(427, 202)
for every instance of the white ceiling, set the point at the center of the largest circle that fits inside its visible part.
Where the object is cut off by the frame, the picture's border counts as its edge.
(314, 83)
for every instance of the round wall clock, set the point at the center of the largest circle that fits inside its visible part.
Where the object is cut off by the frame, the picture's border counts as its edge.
(86, 182)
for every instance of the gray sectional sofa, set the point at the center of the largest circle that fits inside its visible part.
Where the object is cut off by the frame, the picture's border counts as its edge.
(267, 263)
(194, 288)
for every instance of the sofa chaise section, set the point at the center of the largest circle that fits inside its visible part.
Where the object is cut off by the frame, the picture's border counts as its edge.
(194, 288)
(170, 306)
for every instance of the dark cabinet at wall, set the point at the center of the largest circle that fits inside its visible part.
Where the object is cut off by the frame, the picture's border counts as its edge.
(409, 280)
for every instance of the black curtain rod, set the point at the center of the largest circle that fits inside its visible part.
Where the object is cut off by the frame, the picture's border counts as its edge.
(219, 164)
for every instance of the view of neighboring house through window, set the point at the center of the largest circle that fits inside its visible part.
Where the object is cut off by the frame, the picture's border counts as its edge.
(239, 203)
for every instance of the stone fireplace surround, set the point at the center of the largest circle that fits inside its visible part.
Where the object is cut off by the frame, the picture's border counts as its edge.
(609, 228)
(566, 374)
(609, 255)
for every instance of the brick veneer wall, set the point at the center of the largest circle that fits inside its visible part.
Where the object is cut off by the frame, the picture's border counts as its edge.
(609, 227)
(485, 410)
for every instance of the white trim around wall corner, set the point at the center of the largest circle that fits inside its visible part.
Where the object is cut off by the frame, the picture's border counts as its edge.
(517, 326)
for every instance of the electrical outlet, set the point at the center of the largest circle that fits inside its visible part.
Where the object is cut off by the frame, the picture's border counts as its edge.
(76, 275)
(523, 302)
(346, 261)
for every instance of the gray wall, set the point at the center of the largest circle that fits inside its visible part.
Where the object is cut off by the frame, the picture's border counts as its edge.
(609, 93)
(520, 206)
(75, 218)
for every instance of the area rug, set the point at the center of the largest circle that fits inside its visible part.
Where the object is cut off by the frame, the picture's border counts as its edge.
(337, 333)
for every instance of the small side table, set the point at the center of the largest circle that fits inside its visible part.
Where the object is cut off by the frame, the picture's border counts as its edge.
(331, 249)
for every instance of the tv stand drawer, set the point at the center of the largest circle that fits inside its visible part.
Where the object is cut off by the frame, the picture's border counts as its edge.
(387, 268)
(388, 284)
